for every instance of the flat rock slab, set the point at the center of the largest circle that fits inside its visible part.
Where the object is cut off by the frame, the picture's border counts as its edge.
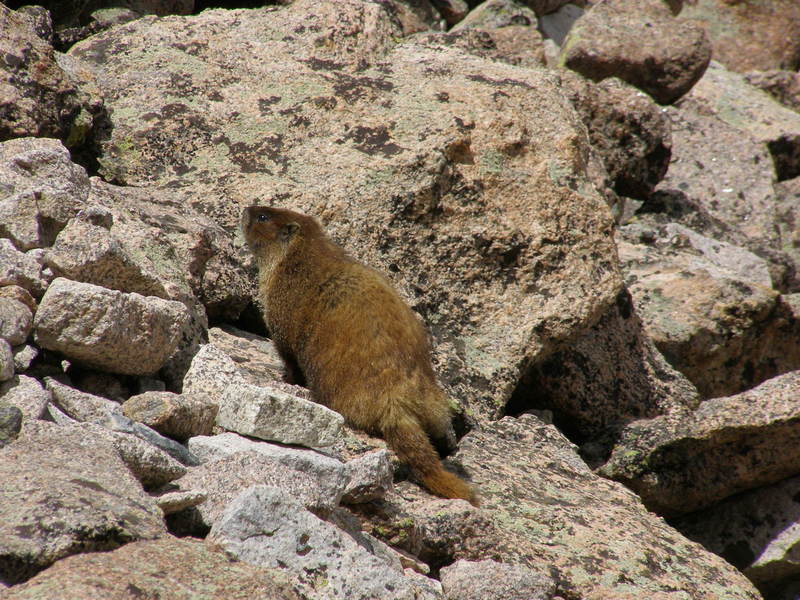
(479, 580)
(265, 526)
(64, 492)
(232, 463)
(596, 536)
(79, 405)
(178, 416)
(728, 445)
(138, 569)
(274, 415)
(107, 329)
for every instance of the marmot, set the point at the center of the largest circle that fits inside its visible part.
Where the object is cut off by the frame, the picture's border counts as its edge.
(343, 330)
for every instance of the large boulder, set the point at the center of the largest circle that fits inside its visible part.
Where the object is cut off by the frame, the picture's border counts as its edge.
(432, 156)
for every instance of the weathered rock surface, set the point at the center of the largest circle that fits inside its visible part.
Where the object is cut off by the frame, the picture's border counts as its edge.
(36, 97)
(65, 493)
(784, 86)
(137, 570)
(727, 95)
(709, 308)
(787, 210)
(179, 416)
(544, 506)
(18, 268)
(756, 531)
(232, 463)
(255, 356)
(10, 423)
(42, 190)
(728, 445)
(174, 502)
(265, 526)
(79, 405)
(271, 414)
(417, 130)
(120, 423)
(627, 129)
(27, 394)
(475, 580)
(6, 361)
(611, 375)
(370, 477)
(749, 35)
(16, 320)
(641, 43)
(82, 321)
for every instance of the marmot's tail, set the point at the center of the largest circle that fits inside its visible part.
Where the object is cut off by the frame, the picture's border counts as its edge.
(413, 447)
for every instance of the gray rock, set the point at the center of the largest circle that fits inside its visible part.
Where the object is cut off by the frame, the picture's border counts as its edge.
(173, 502)
(27, 394)
(16, 321)
(477, 580)
(42, 189)
(119, 422)
(179, 416)
(82, 321)
(232, 463)
(10, 423)
(556, 25)
(255, 356)
(607, 42)
(370, 477)
(493, 14)
(265, 526)
(80, 405)
(211, 372)
(679, 464)
(758, 531)
(274, 415)
(19, 268)
(152, 466)
(195, 572)
(7, 364)
(24, 356)
(63, 493)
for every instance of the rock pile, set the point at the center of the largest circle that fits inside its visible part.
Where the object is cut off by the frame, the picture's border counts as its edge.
(594, 207)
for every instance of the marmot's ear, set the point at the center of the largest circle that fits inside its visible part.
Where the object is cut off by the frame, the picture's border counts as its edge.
(288, 230)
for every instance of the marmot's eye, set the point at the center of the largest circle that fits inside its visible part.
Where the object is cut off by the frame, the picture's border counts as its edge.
(262, 218)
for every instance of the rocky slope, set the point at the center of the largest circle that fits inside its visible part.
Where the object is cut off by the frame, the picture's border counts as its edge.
(594, 208)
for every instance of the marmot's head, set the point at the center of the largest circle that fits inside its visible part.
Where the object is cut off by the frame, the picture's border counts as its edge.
(272, 230)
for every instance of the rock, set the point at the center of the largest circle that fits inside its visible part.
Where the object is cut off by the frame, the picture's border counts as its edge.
(138, 568)
(37, 99)
(608, 377)
(494, 14)
(729, 97)
(24, 356)
(709, 309)
(6, 361)
(274, 415)
(265, 526)
(256, 357)
(173, 502)
(10, 423)
(82, 321)
(540, 504)
(475, 580)
(232, 463)
(453, 187)
(757, 531)
(728, 445)
(749, 35)
(16, 320)
(211, 372)
(555, 25)
(174, 415)
(42, 190)
(27, 394)
(544, 7)
(641, 43)
(20, 294)
(65, 493)
(452, 11)
(784, 86)
(631, 134)
(79, 405)
(121, 423)
(787, 208)
(18, 268)
(370, 477)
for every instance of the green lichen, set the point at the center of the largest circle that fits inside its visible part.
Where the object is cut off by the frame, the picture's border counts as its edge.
(492, 162)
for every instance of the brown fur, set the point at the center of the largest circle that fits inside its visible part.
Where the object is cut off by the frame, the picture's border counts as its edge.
(359, 347)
